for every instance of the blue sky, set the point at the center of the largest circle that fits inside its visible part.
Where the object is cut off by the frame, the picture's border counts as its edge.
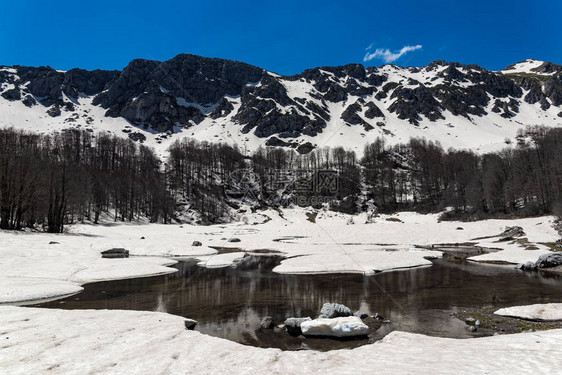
(282, 36)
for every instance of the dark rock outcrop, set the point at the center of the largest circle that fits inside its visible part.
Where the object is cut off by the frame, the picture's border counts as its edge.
(77, 81)
(12, 94)
(276, 142)
(411, 103)
(373, 111)
(351, 116)
(223, 109)
(43, 82)
(54, 111)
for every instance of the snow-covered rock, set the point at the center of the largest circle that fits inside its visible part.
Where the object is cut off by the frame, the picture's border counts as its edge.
(338, 327)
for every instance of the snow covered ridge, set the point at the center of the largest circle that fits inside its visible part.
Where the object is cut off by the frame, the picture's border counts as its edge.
(133, 342)
(462, 106)
(531, 66)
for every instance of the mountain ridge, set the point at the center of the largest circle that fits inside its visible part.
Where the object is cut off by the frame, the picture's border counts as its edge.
(216, 99)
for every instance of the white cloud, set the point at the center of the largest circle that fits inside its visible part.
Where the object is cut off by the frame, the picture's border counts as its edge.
(386, 55)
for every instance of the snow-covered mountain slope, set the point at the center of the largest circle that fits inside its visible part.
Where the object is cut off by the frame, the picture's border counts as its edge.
(461, 106)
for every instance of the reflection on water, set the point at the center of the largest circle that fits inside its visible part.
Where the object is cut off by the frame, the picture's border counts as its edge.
(230, 302)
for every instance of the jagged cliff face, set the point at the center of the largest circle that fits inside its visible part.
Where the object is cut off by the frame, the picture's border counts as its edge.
(216, 99)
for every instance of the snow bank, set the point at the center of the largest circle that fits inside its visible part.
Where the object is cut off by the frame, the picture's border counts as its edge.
(128, 268)
(547, 311)
(37, 341)
(40, 266)
(27, 289)
(338, 327)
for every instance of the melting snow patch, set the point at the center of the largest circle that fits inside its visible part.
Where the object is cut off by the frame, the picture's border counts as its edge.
(337, 327)
(221, 260)
(543, 312)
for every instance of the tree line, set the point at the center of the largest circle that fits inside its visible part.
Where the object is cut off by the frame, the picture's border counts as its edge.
(50, 181)
(522, 180)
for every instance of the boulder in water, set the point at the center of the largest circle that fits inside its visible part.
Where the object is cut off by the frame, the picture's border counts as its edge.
(267, 323)
(334, 310)
(378, 316)
(190, 324)
(529, 266)
(360, 315)
(293, 325)
(549, 260)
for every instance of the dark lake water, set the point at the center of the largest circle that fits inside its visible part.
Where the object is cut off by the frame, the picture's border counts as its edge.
(230, 302)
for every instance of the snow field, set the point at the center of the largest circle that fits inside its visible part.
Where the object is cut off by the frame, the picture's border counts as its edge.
(58, 269)
(34, 341)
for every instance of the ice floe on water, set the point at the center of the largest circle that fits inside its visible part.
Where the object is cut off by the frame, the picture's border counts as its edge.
(221, 260)
(543, 312)
(366, 262)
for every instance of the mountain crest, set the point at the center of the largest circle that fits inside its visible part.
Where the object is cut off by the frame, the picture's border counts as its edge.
(220, 98)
